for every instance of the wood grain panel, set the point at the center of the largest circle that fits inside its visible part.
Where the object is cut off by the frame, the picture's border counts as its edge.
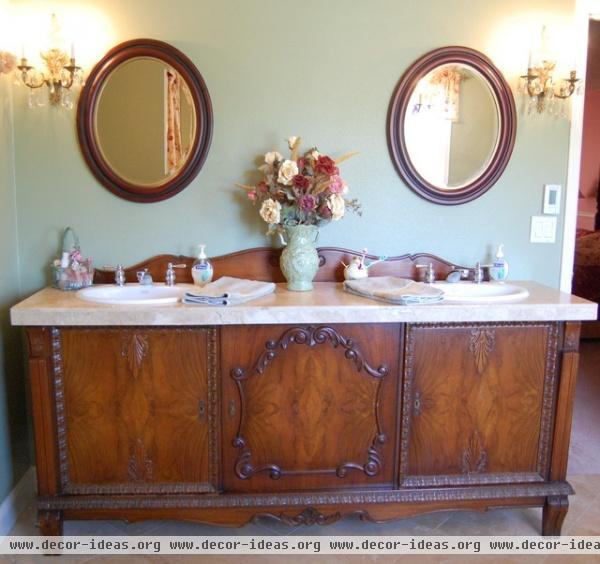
(137, 410)
(309, 406)
(477, 403)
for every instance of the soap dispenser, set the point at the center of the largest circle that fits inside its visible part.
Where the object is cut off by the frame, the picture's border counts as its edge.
(499, 269)
(202, 270)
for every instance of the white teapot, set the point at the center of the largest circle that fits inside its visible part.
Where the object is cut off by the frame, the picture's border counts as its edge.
(357, 268)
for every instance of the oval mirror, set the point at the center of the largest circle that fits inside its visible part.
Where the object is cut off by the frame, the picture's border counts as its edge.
(451, 125)
(145, 121)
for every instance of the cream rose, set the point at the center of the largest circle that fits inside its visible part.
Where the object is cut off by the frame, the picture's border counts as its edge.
(272, 157)
(287, 171)
(337, 205)
(270, 211)
(292, 141)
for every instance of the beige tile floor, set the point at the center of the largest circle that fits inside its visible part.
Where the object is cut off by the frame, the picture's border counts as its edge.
(583, 517)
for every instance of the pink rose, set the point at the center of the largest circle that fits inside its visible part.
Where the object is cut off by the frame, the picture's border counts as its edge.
(326, 165)
(337, 184)
(301, 181)
(252, 196)
(307, 203)
(324, 211)
(262, 187)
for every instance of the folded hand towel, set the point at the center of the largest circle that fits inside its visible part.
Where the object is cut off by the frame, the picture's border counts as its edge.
(394, 290)
(229, 291)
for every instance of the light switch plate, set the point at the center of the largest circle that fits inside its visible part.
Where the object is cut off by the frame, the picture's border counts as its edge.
(551, 199)
(543, 229)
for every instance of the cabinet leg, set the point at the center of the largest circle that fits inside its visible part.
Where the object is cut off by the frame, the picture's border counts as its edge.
(555, 511)
(50, 523)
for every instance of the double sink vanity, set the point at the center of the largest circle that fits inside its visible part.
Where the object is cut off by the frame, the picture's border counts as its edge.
(301, 406)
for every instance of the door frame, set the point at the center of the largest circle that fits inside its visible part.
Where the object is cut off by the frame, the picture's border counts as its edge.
(585, 10)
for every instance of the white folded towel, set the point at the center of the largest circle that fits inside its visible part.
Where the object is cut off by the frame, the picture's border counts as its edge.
(229, 291)
(394, 290)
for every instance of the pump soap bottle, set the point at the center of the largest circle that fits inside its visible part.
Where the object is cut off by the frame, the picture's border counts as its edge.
(202, 270)
(499, 269)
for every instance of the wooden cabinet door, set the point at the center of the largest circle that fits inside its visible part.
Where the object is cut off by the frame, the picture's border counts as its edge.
(477, 403)
(137, 411)
(309, 407)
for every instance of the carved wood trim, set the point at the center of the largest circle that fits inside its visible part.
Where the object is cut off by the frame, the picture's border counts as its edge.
(59, 401)
(262, 263)
(300, 499)
(481, 344)
(134, 350)
(214, 401)
(141, 488)
(311, 336)
(474, 456)
(548, 400)
(308, 516)
(495, 478)
(546, 420)
(136, 486)
(140, 467)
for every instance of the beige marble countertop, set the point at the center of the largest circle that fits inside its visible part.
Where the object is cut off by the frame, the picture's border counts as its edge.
(327, 303)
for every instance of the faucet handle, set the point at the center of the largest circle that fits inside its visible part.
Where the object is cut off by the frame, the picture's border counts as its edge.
(170, 275)
(429, 272)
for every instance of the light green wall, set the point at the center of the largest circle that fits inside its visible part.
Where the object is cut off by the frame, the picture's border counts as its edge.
(324, 70)
(13, 429)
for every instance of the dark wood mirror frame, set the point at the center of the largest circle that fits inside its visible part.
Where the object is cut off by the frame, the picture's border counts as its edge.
(506, 117)
(87, 105)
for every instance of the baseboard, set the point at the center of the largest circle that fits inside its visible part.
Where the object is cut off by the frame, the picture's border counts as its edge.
(17, 500)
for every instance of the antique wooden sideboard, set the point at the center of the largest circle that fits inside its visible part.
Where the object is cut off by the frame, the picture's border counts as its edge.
(304, 407)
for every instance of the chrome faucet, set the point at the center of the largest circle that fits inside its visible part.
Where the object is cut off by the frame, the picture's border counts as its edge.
(478, 273)
(457, 274)
(170, 277)
(119, 274)
(429, 276)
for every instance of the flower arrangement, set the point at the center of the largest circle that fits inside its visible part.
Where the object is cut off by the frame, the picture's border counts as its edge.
(305, 189)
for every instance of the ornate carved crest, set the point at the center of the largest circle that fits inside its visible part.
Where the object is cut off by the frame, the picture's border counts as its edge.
(135, 349)
(308, 516)
(140, 467)
(474, 457)
(481, 345)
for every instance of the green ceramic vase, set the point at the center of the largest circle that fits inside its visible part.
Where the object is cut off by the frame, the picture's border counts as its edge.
(299, 260)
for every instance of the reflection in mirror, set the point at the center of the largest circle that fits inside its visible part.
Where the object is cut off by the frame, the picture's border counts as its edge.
(451, 126)
(145, 121)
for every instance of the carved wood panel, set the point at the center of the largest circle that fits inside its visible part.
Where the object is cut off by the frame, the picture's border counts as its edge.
(309, 406)
(477, 403)
(140, 410)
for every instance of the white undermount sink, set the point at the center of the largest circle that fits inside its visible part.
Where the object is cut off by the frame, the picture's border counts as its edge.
(484, 292)
(133, 294)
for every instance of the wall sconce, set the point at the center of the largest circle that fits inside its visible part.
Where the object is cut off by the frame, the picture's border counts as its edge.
(61, 73)
(539, 86)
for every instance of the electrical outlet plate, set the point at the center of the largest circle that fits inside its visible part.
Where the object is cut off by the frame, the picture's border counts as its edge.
(543, 229)
(551, 199)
